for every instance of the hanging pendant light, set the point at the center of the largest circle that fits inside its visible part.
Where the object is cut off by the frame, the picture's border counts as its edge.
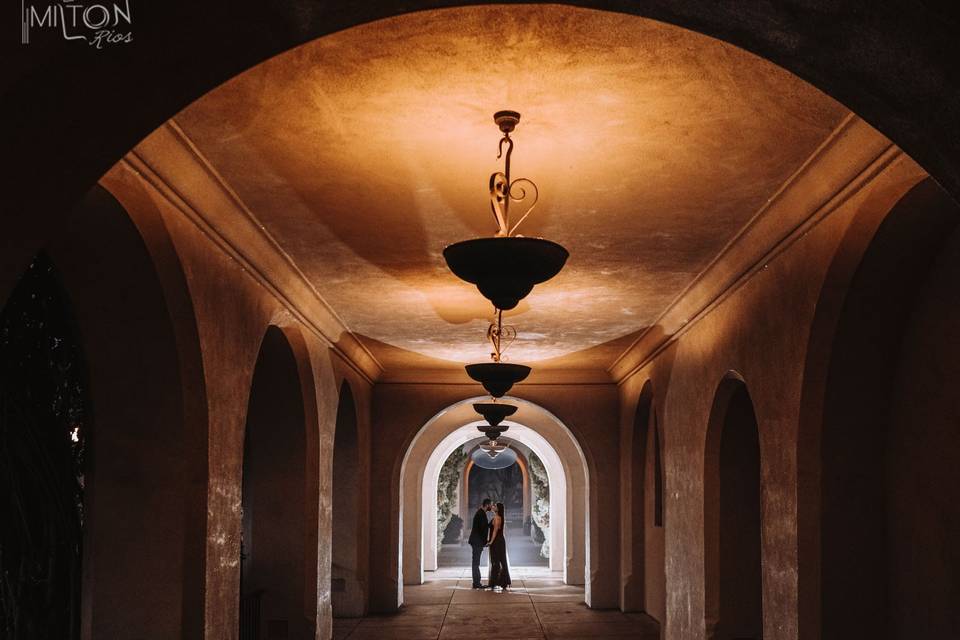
(501, 460)
(494, 412)
(498, 377)
(505, 268)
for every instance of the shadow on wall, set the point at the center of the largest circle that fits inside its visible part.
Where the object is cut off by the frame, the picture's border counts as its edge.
(273, 554)
(346, 592)
(887, 448)
(732, 554)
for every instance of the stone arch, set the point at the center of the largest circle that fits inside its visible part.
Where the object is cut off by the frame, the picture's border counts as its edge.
(409, 486)
(346, 590)
(874, 458)
(275, 558)
(732, 516)
(145, 503)
(556, 473)
(903, 98)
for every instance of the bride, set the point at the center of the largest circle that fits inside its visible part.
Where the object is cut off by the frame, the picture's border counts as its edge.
(499, 573)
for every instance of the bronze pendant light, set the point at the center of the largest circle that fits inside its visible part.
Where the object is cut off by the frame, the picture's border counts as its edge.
(505, 268)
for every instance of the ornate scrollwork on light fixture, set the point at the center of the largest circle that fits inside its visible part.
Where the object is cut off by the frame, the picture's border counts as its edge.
(506, 267)
(503, 190)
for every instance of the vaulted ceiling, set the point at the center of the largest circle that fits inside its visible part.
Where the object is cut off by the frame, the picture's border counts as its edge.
(366, 152)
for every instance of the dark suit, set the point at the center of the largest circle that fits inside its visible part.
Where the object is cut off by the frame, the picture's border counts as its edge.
(478, 539)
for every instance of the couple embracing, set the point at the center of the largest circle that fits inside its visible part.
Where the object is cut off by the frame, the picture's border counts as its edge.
(490, 534)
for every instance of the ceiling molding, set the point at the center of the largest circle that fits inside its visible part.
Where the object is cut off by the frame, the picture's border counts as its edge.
(459, 377)
(169, 162)
(852, 156)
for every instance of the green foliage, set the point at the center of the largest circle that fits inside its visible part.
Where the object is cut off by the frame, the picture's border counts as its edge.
(448, 486)
(42, 433)
(540, 496)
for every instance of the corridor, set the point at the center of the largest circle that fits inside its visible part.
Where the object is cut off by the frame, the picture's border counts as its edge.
(300, 294)
(540, 606)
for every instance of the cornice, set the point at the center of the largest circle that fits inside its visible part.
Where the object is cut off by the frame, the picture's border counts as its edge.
(848, 160)
(173, 166)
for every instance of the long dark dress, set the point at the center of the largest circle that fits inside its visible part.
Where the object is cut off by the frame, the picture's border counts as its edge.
(499, 572)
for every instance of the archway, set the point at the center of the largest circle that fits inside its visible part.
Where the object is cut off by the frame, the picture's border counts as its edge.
(732, 517)
(538, 420)
(145, 457)
(879, 473)
(645, 587)
(346, 592)
(560, 503)
(274, 559)
(904, 98)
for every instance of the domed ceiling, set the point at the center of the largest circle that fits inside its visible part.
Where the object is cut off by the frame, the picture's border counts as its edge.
(365, 152)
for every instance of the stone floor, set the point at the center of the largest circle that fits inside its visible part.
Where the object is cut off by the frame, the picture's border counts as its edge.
(539, 606)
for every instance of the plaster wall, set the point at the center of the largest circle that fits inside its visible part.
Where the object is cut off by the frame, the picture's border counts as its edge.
(233, 305)
(760, 329)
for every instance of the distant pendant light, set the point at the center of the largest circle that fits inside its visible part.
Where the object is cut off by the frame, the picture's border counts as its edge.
(504, 458)
(498, 377)
(505, 268)
(494, 412)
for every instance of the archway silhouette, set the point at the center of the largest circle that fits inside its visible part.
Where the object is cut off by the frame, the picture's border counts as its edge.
(732, 517)
(145, 484)
(274, 557)
(878, 467)
(345, 589)
(903, 97)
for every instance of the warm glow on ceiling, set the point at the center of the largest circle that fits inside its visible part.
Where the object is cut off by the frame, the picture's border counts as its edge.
(365, 152)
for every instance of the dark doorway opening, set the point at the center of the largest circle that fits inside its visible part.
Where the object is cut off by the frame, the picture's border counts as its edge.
(43, 423)
(733, 517)
(273, 554)
(346, 592)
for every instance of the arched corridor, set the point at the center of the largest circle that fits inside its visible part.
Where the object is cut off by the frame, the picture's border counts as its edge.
(251, 387)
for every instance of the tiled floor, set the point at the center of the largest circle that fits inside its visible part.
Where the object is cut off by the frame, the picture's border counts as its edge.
(539, 606)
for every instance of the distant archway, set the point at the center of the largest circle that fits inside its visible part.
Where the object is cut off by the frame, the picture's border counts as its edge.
(454, 417)
(274, 557)
(559, 502)
(346, 592)
(732, 517)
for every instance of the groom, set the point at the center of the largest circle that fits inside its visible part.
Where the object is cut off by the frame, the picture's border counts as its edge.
(478, 539)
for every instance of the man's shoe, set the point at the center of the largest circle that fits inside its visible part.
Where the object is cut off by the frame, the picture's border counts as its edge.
(479, 586)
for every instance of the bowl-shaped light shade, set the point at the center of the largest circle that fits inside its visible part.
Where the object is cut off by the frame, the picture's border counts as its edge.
(497, 377)
(492, 433)
(505, 269)
(494, 412)
(503, 460)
